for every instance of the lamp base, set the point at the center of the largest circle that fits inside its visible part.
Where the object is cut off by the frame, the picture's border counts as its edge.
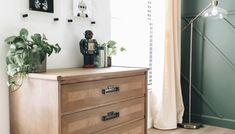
(191, 125)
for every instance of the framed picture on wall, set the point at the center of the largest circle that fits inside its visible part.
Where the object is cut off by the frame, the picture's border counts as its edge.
(42, 5)
(82, 8)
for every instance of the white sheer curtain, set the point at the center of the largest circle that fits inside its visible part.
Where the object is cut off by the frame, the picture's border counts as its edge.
(167, 104)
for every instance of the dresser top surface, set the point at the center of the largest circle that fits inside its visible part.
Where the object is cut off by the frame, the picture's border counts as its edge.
(58, 74)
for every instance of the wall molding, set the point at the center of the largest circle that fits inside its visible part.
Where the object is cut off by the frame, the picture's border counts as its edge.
(214, 46)
(227, 123)
(204, 99)
(231, 24)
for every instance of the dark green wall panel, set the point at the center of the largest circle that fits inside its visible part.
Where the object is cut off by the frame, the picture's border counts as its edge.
(213, 64)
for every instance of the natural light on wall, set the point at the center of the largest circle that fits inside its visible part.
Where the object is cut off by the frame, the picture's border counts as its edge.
(130, 28)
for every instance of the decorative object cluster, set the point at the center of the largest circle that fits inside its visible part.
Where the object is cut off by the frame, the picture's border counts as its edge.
(27, 56)
(105, 53)
(42, 5)
(96, 55)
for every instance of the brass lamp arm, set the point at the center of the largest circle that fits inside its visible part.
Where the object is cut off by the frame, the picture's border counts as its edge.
(191, 21)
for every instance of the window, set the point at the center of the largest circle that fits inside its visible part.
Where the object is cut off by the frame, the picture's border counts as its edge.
(139, 26)
(131, 27)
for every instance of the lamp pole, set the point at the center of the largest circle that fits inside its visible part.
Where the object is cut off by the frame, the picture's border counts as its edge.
(213, 5)
(191, 125)
(190, 73)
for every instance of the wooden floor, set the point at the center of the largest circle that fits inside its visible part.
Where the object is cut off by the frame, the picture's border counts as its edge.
(204, 130)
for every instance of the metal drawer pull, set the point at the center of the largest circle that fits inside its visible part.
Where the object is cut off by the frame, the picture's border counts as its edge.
(110, 115)
(110, 89)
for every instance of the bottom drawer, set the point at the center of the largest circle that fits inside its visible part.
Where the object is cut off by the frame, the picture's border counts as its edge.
(94, 120)
(137, 127)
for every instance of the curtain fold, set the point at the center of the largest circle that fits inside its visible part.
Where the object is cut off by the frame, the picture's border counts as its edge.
(167, 104)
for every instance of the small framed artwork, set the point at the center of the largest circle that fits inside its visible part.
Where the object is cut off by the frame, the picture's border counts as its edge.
(42, 5)
(82, 8)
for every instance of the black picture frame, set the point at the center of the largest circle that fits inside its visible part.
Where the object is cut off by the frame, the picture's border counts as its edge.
(42, 5)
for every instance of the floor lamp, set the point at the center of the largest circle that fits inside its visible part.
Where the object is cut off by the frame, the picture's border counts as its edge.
(212, 11)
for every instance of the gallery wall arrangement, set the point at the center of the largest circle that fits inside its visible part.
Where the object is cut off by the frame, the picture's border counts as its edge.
(82, 9)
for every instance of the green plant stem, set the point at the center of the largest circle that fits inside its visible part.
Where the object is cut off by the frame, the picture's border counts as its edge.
(18, 84)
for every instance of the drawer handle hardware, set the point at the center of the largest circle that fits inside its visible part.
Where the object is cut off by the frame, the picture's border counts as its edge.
(111, 89)
(110, 115)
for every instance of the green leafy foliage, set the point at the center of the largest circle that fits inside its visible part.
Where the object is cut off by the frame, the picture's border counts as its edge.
(113, 49)
(20, 58)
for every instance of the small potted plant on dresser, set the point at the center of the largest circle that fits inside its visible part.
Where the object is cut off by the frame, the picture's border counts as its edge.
(27, 56)
(112, 50)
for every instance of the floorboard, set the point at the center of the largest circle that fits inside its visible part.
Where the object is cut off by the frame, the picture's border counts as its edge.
(204, 130)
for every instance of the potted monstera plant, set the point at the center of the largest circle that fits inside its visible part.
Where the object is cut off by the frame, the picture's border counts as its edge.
(112, 50)
(27, 56)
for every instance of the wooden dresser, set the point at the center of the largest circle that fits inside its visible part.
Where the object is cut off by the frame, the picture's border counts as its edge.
(81, 101)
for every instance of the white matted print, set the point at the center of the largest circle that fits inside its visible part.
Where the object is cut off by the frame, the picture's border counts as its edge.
(82, 8)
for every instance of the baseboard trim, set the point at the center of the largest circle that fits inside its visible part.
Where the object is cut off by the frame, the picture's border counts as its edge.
(215, 121)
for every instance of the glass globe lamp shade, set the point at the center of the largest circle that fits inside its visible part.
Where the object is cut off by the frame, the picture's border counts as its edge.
(215, 12)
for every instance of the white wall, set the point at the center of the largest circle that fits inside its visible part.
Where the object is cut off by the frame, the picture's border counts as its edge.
(67, 35)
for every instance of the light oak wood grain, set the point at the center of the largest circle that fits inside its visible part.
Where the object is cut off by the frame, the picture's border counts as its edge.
(87, 95)
(73, 75)
(90, 121)
(136, 127)
(34, 109)
(70, 101)
(146, 104)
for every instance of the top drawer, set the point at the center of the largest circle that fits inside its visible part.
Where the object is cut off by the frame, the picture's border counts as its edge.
(86, 95)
